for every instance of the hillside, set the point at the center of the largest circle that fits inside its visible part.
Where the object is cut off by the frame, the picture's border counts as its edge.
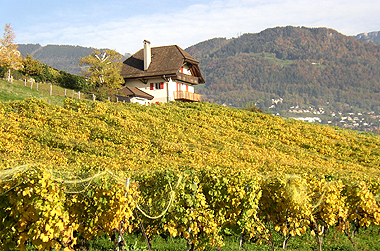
(182, 134)
(207, 128)
(294, 72)
(65, 171)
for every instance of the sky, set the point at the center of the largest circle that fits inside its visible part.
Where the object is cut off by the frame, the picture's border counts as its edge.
(123, 25)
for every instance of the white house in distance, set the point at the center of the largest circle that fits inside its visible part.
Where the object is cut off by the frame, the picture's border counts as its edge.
(168, 73)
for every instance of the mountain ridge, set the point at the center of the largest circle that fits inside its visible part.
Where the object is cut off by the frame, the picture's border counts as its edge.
(61, 57)
(66, 57)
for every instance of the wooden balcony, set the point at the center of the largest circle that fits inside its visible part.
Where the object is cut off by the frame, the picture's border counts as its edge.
(186, 78)
(187, 96)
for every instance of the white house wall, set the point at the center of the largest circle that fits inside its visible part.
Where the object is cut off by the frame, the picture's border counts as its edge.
(160, 95)
(141, 101)
(171, 89)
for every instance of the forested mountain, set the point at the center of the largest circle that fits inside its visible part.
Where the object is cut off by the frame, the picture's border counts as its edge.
(286, 68)
(61, 57)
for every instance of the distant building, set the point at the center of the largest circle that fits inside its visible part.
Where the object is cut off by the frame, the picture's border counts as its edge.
(310, 119)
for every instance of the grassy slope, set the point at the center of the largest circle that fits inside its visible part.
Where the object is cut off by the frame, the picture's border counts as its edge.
(17, 91)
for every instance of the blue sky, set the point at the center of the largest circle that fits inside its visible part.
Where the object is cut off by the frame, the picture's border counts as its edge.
(124, 24)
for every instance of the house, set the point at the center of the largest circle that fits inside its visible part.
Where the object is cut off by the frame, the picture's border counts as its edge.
(168, 73)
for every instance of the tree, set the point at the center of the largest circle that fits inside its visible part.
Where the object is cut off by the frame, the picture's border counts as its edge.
(103, 70)
(32, 67)
(10, 57)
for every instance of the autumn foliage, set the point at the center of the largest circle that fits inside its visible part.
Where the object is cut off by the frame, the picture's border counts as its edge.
(10, 57)
(189, 170)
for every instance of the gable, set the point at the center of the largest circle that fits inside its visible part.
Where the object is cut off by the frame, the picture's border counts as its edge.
(166, 61)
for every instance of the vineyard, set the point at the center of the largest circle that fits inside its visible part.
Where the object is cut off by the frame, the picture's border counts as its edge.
(187, 170)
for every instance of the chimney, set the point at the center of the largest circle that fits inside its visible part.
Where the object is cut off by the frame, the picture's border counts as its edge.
(147, 55)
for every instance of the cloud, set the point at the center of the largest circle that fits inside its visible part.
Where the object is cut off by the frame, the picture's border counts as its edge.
(198, 22)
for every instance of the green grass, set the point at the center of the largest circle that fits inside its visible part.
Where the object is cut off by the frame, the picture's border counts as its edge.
(368, 239)
(281, 62)
(271, 57)
(18, 91)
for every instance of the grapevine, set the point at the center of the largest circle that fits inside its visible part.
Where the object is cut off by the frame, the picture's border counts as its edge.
(196, 171)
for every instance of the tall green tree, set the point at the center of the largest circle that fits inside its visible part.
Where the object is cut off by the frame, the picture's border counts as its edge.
(103, 70)
(10, 57)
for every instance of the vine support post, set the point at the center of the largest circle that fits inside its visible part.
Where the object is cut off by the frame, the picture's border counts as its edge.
(241, 241)
(286, 240)
(9, 74)
(347, 233)
(319, 234)
(143, 230)
(121, 241)
(356, 224)
(270, 233)
(190, 245)
(113, 238)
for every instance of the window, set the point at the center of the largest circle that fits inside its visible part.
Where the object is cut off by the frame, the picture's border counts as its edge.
(157, 86)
